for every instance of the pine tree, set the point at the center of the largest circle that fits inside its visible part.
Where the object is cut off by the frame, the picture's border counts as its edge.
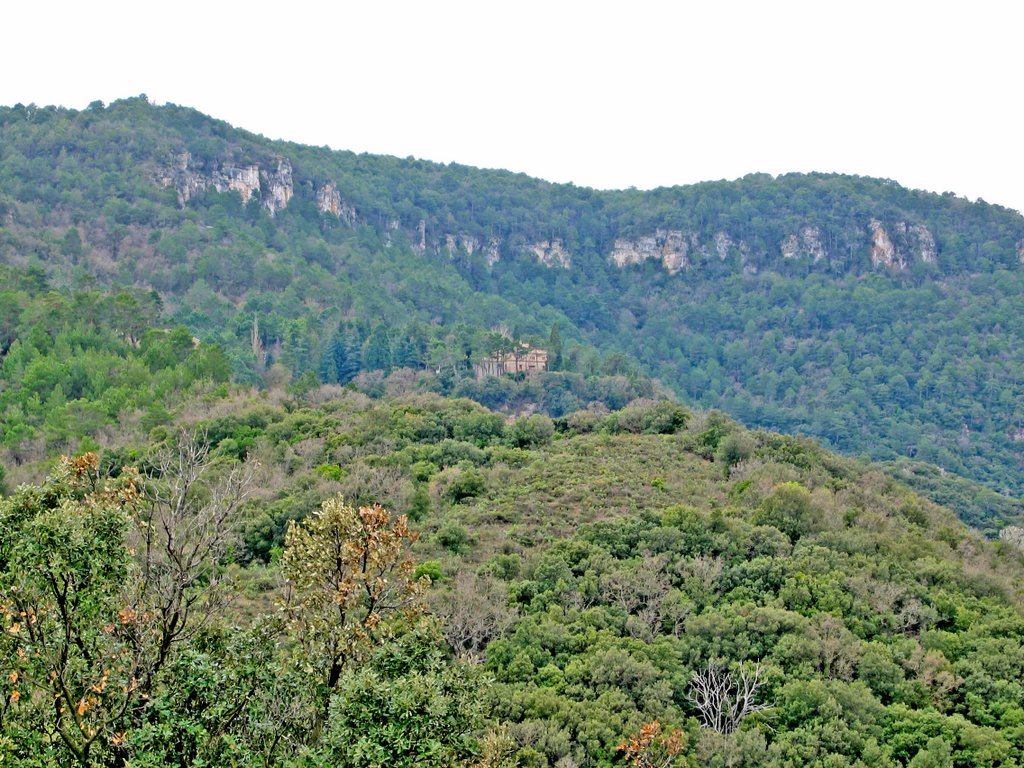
(555, 349)
(377, 350)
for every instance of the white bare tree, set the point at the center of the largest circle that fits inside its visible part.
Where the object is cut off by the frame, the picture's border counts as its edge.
(722, 699)
(181, 535)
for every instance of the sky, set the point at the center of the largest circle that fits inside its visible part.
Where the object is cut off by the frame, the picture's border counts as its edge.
(607, 95)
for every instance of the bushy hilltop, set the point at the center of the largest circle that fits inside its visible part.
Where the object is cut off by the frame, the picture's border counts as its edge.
(878, 319)
(586, 578)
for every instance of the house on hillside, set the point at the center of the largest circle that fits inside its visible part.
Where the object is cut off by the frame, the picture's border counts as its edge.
(521, 359)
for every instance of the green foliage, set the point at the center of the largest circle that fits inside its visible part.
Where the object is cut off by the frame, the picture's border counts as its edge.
(454, 538)
(789, 509)
(408, 706)
(613, 561)
(467, 483)
(429, 568)
(71, 640)
(590, 599)
(825, 343)
(531, 431)
(78, 363)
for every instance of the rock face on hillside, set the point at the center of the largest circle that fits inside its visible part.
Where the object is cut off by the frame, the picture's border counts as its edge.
(899, 246)
(551, 253)
(461, 242)
(274, 186)
(805, 245)
(891, 246)
(668, 246)
(277, 186)
(328, 200)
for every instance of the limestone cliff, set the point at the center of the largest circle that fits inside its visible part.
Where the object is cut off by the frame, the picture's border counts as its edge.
(669, 246)
(328, 200)
(492, 251)
(461, 242)
(926, 248)
(551, 253)
(723, 244)
(883, 252)
(805, 245)
(275, 187)
(896, 250)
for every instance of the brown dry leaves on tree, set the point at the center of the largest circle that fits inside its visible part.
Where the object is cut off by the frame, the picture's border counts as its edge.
(71, 650)
(349, 577)
(651, 747)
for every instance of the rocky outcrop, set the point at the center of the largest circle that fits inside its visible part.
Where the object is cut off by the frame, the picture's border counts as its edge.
(275, 188)
(669, 246)
(723, 244)
(420, 246)
(492, 251)
(883, 252)
(461, 242)
(328, 200)
(925, 243)
(907, 242)
(550, 253)
(805, 245)
(394, 225)
(1020, 251)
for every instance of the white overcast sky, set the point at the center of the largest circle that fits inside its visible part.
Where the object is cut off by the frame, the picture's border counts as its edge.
(608, 95)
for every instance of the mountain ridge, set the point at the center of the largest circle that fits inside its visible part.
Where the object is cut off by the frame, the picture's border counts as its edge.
(876, 318)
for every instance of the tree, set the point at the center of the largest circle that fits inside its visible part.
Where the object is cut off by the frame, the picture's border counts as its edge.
(182, 534)
(789, 509)
(555, 348)
(351, 581)
(408, 706)
(651, 747)
(377, 350)
(722, 700)
(74, 645)
(71, 244)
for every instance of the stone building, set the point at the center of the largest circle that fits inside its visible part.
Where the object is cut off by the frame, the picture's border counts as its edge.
(525, 359)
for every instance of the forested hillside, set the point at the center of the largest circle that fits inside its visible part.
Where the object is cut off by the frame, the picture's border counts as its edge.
(605, 588)
(881, 320)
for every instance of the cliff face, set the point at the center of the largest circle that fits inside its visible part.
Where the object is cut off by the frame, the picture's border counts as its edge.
(895, 246)
(889, 245)
(668, 246)
(551, 253)
(899, 249)
(328, 200)
(806, 245)
(274, 187)
(277, 186)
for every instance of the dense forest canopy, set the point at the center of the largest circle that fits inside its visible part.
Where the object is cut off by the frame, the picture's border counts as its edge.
(555, 593)
(879, 319)
(292, 525)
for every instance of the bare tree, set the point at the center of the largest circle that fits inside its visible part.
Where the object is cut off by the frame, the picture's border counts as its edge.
(722, 700)
(1014, 535)
(476, 612)
(182, 534)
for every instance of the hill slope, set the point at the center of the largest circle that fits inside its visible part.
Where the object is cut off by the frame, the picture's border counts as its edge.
(879, 319)
(590, 572)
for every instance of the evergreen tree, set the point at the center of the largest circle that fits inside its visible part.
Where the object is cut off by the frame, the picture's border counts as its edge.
(377, 350)
(555, 349)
